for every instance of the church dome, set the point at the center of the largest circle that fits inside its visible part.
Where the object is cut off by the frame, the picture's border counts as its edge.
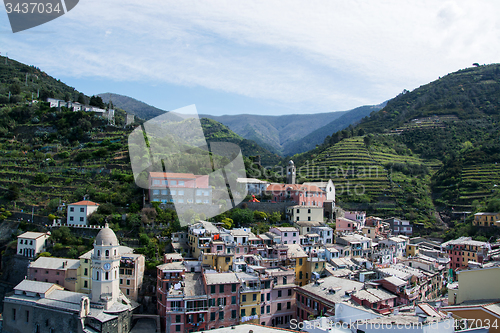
(106, 237)
(290, 163)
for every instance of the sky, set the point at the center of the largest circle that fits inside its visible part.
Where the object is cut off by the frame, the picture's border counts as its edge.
(258, 57)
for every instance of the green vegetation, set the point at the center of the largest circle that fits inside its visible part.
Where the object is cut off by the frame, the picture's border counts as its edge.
(435, 148)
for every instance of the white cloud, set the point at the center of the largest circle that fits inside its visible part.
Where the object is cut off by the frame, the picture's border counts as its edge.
(330, 55)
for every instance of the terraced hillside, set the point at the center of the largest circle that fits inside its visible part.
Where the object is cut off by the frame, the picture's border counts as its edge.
(376, 178)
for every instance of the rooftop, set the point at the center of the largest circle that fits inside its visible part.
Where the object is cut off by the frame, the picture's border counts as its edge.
(332, 288)
(221, 278)
(32, 235)
(193, 285)
(55, 263)
(84, 203)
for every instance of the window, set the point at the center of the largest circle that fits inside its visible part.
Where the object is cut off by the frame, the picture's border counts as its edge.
(221, 315)
(279, 293)
(279, 306)
(300, 261)
(244, 298)
(86, 272)
(286, 234)
(71, 218)
(254, 311)
(254, 297)
(177, 328)
(81, 218)
(71, 209)
(173, 182)
(82, 210)
(268, 296)
(233, 299)
(13, 314)
(177, 318)
(233, 314)
(128, 282)
(243, 312)
(221, 288)
(288, 305)
(289, 292)
(212, 316)
(128, 292)
(85, 284)
(212, 289)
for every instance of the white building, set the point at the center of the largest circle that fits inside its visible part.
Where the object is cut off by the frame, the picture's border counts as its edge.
(325, 234)
(30, 243)
(396, 244)
(78, 212)
(254, 186)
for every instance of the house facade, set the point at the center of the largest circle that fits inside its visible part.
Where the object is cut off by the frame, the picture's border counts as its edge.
(30, 244)
(78, 212)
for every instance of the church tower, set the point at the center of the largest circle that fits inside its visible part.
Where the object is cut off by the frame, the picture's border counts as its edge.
(290, 173)
(105, 267)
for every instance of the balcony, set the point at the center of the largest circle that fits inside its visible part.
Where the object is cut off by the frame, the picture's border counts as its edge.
(175, 309)
(250, 288)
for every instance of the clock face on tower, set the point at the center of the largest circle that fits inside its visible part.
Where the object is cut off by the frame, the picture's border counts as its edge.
(107, 266)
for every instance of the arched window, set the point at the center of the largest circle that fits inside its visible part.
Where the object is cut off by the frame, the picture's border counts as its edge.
(98, 253)
(115, 274)
(107, 253)
(97, 275)
(107, 275)
(115, 252)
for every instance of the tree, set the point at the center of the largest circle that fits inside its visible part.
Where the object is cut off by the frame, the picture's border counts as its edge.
(97, 101)
(259, 215)
(41, 178)
(81, 98)
(243, 216)
(275, 217)
(227, 223)
(367, 140)
(13, 192)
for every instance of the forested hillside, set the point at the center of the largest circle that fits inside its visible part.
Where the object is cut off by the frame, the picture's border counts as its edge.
(440, 141)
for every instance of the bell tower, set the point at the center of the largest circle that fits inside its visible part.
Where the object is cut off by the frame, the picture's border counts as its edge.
(105, 267)
(290, 173)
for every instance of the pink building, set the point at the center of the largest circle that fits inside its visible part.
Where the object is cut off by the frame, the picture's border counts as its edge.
(282, 300)
(60, 271)
(356, 216)
(288, 235)
(169, 187)
(343, 224)
(303, 195)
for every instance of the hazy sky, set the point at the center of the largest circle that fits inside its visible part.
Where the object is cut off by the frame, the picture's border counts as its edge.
(262, 57)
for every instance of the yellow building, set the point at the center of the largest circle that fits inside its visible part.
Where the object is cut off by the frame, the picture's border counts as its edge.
(298, 258)
(314, 265)
(84, 275)
(475, 285)
(486, 219)
(219, 262)
(250, 298)
(476, 315)
(411, 250)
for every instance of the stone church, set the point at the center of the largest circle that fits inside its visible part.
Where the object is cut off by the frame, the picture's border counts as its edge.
(43, 307)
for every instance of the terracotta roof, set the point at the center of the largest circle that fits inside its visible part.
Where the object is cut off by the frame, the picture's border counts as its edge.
(171, 175)
(85, 203)
(293, 187)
